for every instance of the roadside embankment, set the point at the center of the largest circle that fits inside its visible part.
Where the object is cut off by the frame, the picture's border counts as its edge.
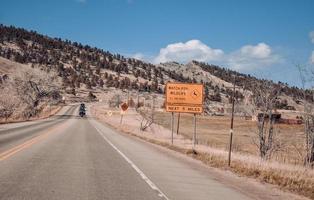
(46, 112)
(292, 178)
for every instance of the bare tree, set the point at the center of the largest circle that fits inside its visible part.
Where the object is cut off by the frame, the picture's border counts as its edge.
(263, 102)
(32, 87)
(9, 102)
(115, 101)
(307, 76)
(147, 115)
(309, 133)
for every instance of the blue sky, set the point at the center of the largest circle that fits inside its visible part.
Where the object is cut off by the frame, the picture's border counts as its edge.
(264, 38)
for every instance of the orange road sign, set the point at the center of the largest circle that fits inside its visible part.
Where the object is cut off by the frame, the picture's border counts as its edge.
(184, 97)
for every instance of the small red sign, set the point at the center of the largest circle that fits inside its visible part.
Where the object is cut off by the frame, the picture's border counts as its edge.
(124, 106)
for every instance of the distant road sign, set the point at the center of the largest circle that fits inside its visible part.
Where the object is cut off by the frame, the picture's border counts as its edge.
(124, 106)
(109, 113)
(184, 97)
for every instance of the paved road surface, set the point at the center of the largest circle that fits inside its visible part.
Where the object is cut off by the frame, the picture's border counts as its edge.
(67, 157)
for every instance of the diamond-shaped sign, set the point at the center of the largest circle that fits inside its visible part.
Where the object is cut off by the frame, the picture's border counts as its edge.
(124, 106)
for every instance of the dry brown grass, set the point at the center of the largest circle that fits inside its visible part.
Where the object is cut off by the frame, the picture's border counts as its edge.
(214, 131)
(295, 179)
(298, 180)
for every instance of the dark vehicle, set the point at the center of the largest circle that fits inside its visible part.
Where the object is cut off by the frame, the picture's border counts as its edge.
(82, 110)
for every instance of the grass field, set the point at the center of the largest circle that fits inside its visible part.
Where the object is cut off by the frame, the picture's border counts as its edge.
(215, 130)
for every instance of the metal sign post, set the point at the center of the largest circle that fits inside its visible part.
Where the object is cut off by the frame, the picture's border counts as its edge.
(178, 124)
(153, 108)
(138, 98)
(121, 118)
(124, 108)
(194, 133)
(172, 127)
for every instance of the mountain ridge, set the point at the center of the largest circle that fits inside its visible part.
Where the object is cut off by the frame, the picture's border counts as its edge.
(84, 66)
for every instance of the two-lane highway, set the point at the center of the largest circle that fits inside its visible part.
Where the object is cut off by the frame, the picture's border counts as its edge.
(69, 157)
(19, 132)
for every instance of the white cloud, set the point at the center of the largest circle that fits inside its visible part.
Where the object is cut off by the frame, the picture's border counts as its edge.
(251, 57)
(248, 57)
(258, 51)
(185, 52)
(138, 56)
(312, 36)
(312, 58)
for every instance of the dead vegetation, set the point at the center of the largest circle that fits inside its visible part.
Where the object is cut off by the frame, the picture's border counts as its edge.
(213, 131)
(27, 92)
(307, 78)
(264, 100)
(148, 115)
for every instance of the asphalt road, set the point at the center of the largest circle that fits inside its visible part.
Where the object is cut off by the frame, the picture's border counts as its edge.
(68, 157)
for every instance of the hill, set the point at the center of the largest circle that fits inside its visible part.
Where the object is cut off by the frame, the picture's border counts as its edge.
(85, 67)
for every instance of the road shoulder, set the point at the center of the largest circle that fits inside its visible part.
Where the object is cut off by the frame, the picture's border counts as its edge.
(248, 186)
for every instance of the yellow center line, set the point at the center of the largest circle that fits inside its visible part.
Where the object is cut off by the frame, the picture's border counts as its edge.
(20, 147)
(8, 153)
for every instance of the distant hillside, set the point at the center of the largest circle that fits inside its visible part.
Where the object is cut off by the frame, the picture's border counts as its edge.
(82, 66)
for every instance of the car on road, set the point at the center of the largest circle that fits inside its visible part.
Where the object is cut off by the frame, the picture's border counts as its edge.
(82, 111)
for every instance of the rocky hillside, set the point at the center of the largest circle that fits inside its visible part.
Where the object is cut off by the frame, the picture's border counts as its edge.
(81, 66)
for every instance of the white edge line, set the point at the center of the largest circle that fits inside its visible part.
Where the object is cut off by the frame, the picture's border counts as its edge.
(140, 172)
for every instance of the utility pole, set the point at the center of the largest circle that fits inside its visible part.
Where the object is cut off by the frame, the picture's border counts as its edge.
(231, 124)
